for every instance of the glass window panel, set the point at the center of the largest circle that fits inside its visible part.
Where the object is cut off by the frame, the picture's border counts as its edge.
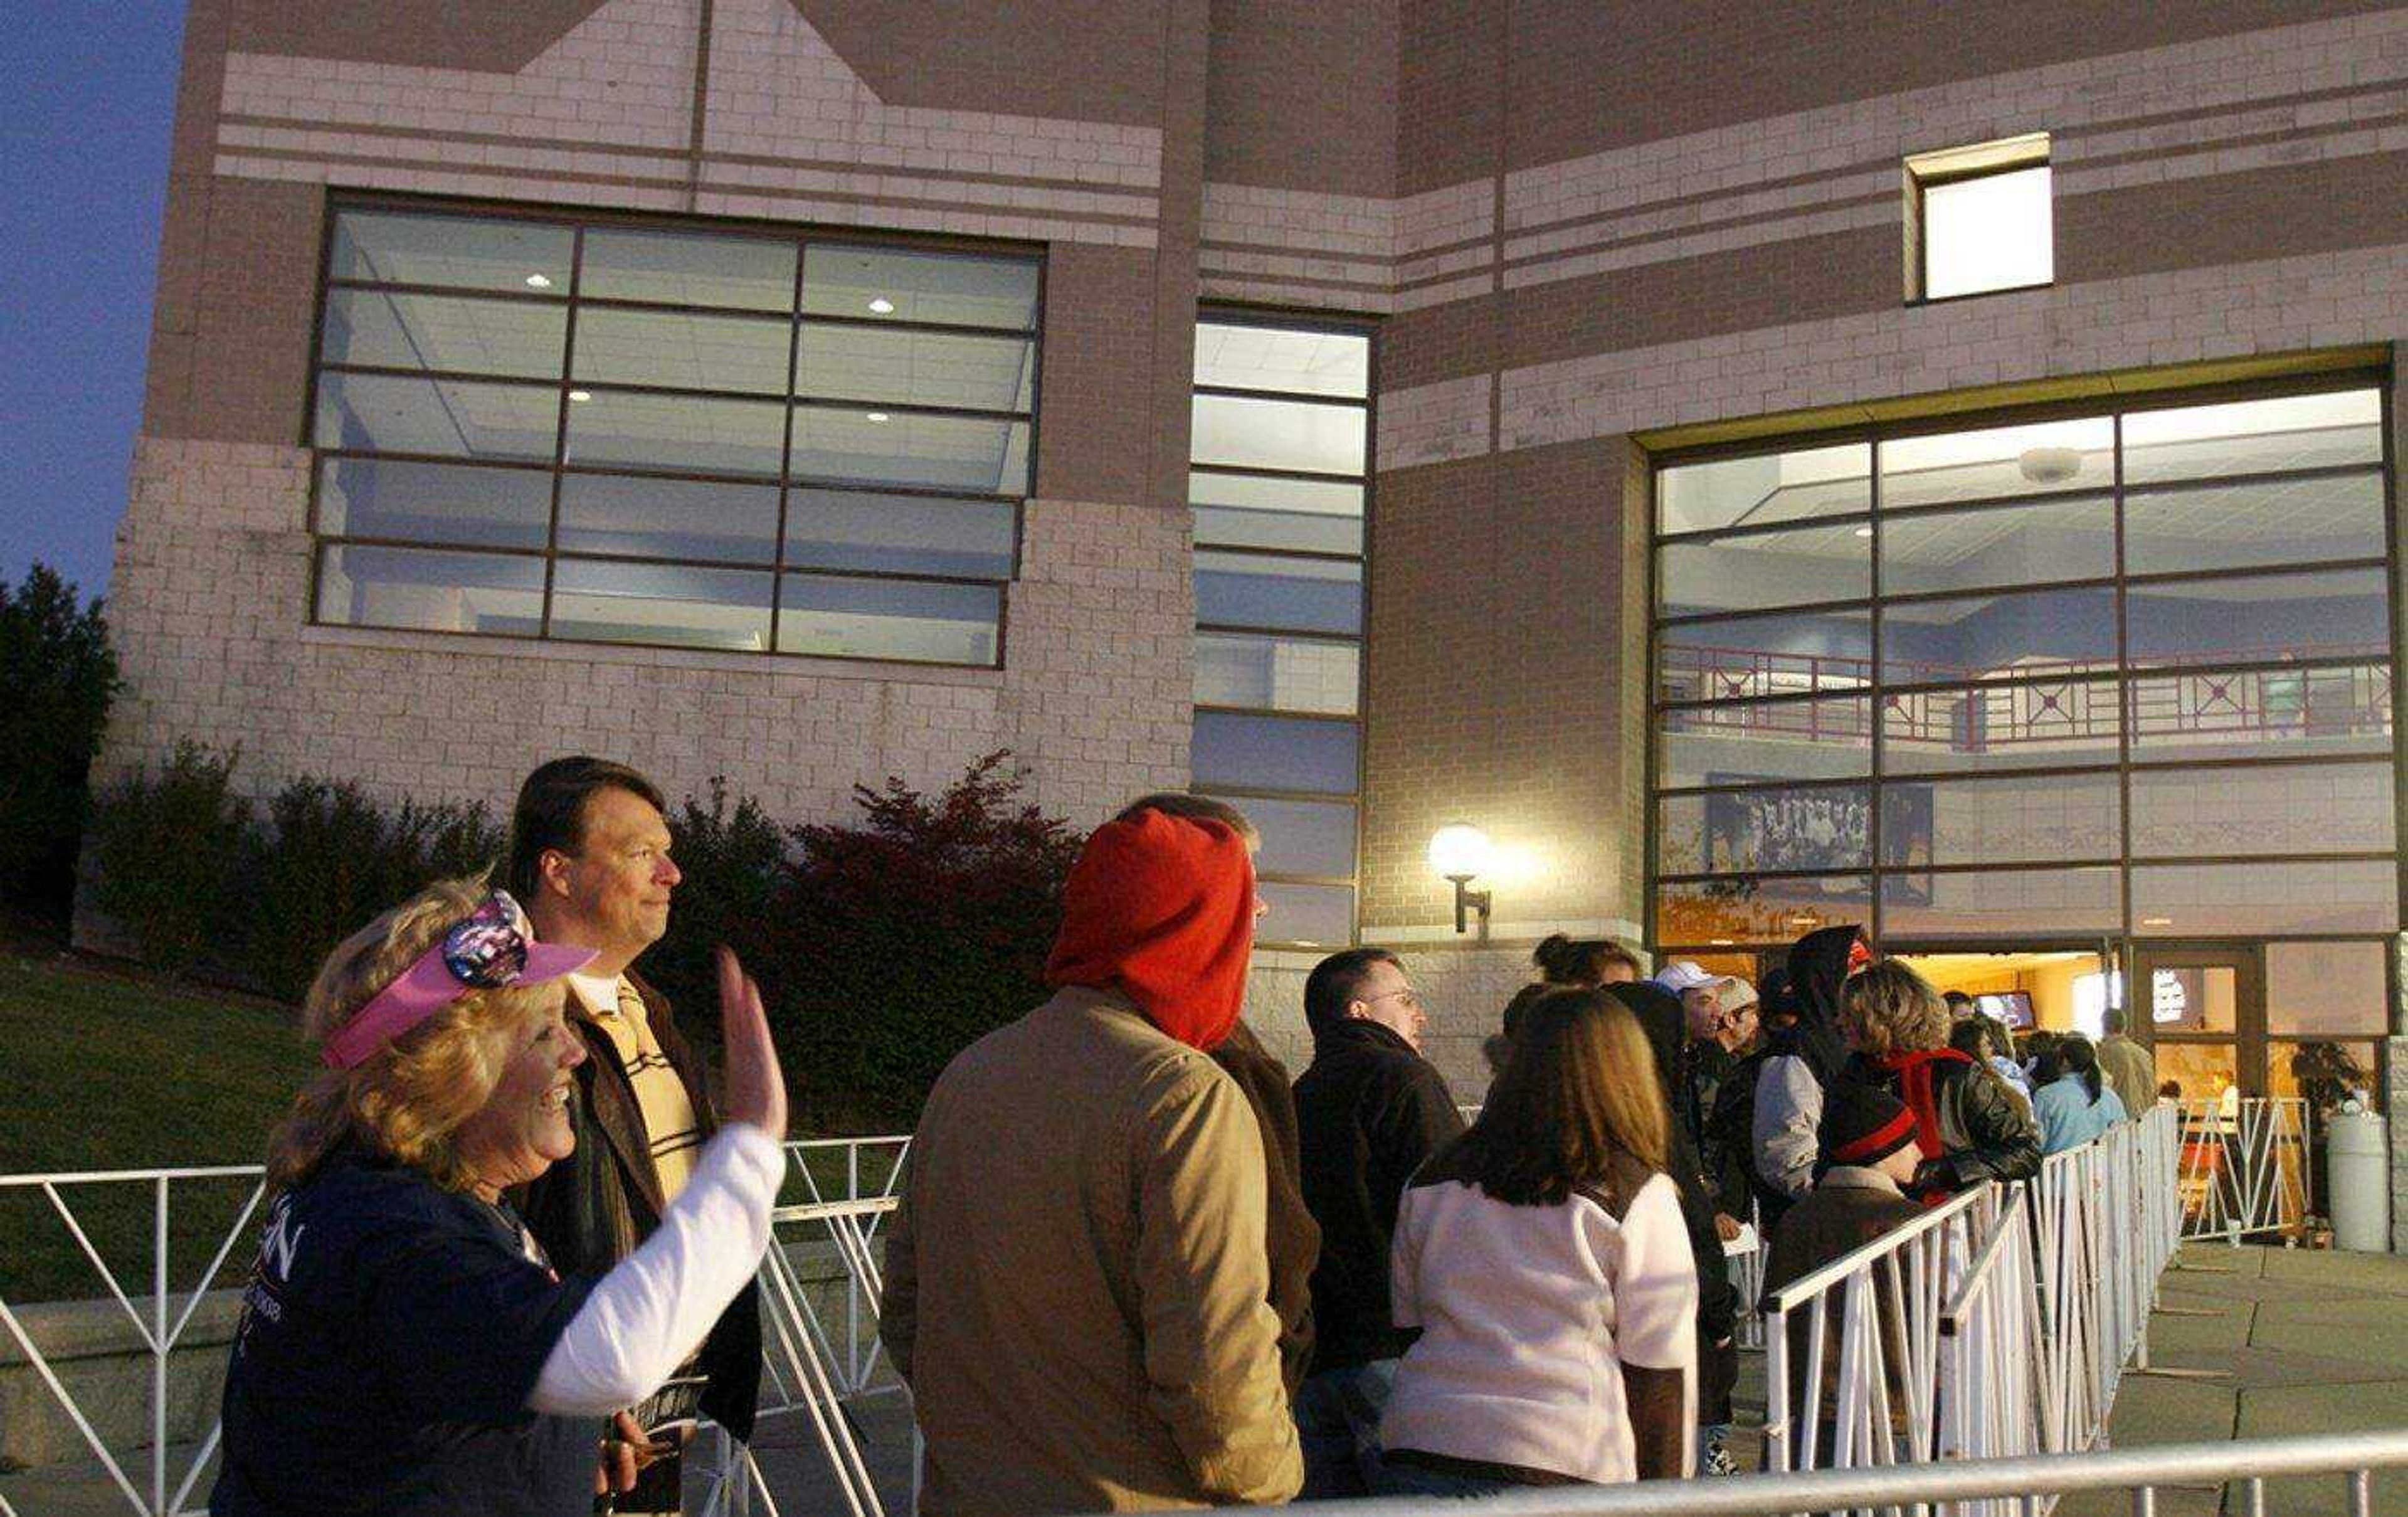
(907, 619)
(1991, 232)
(916, 369)
(2016, 819)
(722, 610)
(430, 592)
(389, 497)
(832, 529)
(1298, 360)
(1743, 831)
(1797, 654)
(459, 252)
(2274, 522)
(680, 352)
(676, 433)
(2042, 457)
(2287, 616)
(2211, 713)
(1998, 637)
(1313, 916)
(680, 268)
(2292, 809)
(1999, 546)
(2002, 902)
(2357, 1067)
(2200, 1073)
(1764, 489)
(2254, 437)
(1297, 595)
(1759, 570)
(2252, 900)
(1280, 674)
(2320, 988)
(456, 418)
(1829, 738)
(609, 513)
(876, 447)
(2194, 998)
(1720, 912)
(2001, 727)
(898, 284)
(1267, 752)
(1314, 838)
(1240, 510)
(1279, 435)
(391, 329)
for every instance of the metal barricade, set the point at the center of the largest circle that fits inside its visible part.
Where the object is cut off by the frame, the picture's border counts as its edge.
(2244, 1166)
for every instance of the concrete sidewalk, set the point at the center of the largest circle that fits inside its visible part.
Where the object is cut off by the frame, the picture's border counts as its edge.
(2264, 1342)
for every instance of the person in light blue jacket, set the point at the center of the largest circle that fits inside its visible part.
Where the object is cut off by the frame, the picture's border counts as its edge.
(2071, 1101)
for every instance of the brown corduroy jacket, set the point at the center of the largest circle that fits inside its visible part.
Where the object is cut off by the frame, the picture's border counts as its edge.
(1294, 1238)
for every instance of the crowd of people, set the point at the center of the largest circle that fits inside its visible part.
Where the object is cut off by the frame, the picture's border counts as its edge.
(509, 1253)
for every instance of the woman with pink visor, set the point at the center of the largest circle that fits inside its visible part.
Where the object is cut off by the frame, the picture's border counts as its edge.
(405, 1348)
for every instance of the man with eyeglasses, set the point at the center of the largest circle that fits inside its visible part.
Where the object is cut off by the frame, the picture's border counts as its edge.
(1369, 1109)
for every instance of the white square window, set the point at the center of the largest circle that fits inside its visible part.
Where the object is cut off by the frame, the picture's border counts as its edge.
(1978, 219)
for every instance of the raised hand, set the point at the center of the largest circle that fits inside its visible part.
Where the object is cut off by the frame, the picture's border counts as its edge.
(755, 1086)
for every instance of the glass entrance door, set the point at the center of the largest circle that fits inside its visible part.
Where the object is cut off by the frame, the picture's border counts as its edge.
(2201, 1008)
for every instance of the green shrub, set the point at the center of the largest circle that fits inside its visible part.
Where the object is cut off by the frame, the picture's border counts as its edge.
(169, 850)
(331, 858)
(733, 858)
(57, 677)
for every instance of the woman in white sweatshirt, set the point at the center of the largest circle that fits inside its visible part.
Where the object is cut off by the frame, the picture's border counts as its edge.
(1544, 1259)
(406, 1350)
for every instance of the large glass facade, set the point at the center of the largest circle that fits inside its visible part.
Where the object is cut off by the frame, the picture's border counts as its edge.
(2117, 675)
(1279, 480)
(670, 435)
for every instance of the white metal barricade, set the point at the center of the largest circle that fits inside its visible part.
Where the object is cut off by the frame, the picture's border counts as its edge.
(2244, 1166)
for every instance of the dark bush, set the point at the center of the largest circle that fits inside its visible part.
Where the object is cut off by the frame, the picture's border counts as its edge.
(331, 858)
(167, 851)
(57, 677)
(733, 860)
(896, 941)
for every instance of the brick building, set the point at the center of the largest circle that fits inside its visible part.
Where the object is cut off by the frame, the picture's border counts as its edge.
(1762, 465)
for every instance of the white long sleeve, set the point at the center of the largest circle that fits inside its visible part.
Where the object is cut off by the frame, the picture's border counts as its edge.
(651, 1311)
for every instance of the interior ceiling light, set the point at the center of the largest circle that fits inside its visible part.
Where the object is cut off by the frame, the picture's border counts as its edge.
(882, 305)
(2157, 921)
(580, 395)
(539, 281)
(1864, 532)
(878, 415)
(2049, 465)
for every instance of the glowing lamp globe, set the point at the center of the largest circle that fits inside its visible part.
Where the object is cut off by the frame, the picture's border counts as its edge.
(1459, 852)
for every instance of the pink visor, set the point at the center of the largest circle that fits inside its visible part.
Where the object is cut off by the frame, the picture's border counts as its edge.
(492, 948)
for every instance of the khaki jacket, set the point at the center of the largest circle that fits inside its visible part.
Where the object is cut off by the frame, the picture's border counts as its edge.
(1076, 1282)
(2132, 1070)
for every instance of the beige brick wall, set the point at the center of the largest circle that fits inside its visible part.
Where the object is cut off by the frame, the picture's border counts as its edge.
(210, 602)
(1463, 991)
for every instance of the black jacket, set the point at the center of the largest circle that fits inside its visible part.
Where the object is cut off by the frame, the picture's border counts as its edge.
(591, 1209)
(1986, 1132)
(1368, 1110)
(1661, 1018)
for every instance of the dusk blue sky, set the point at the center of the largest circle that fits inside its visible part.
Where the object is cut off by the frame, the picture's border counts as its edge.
(83, 163)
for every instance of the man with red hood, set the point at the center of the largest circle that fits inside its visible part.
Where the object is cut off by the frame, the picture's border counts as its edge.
(1075, 1280)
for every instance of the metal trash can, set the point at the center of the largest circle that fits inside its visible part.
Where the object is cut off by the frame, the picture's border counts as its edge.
(2359, 1156)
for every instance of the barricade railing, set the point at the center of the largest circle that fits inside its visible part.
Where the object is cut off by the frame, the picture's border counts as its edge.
(1959, 1489)
(160, 1318)
(2245, 1167)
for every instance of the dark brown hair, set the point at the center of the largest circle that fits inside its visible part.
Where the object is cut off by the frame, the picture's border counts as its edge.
(1578, 1105)
(551, 814)
(1565, 961)
(1334, 981)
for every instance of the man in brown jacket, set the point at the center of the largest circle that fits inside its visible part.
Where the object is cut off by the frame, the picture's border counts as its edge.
(1075, 1280)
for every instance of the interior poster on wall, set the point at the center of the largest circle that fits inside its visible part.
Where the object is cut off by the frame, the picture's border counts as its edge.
(1767, 831)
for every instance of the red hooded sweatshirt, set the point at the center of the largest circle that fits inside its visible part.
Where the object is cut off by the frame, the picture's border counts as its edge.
(1161, 908)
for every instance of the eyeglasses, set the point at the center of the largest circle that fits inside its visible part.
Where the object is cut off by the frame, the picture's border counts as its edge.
(1408, 996)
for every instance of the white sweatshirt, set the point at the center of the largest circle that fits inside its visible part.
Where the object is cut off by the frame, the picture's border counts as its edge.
(651, 1311)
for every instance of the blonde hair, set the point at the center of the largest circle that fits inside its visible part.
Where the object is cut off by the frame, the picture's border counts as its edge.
(406, 1100)
(1888, 1008)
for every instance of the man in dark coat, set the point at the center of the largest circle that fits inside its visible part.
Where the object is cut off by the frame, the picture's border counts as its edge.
(1369, 1109)
(590, 862)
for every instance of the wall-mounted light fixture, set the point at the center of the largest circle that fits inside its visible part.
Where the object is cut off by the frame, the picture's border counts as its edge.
(1460, 854)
